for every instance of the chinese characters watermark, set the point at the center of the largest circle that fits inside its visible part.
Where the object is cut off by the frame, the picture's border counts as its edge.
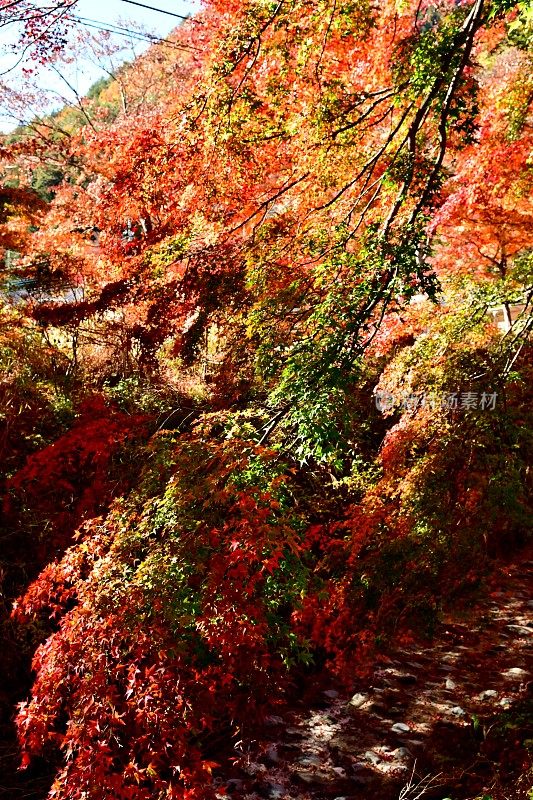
(461, 401)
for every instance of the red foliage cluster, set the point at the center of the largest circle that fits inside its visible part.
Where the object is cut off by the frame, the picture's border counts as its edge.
(166, 632)
(72, 479)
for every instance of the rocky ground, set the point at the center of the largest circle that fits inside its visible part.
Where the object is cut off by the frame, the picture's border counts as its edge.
(451, 720)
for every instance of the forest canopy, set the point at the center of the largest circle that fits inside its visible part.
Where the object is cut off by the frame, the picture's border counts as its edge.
(265, 374)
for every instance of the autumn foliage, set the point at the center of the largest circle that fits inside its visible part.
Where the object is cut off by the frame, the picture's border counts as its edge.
(299, 209)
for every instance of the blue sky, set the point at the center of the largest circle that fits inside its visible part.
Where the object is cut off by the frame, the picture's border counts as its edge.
(83, 73)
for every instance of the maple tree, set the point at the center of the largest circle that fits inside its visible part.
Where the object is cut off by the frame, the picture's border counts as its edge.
(253, 235)
(42, 29)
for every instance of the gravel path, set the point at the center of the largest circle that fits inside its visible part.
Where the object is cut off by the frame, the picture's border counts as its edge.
(456, 714)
